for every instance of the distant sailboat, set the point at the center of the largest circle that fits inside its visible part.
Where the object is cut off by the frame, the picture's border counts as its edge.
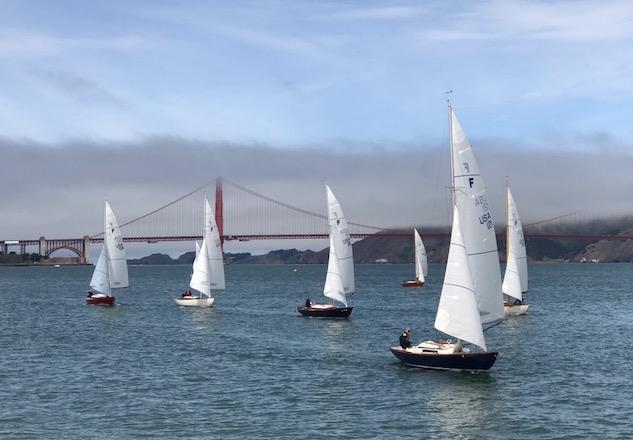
(339, 281)
(111, 269)
(208, 266)
(471, 294)
(515, 280)
(420, 262)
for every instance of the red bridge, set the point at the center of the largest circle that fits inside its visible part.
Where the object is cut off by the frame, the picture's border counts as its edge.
(251, 216)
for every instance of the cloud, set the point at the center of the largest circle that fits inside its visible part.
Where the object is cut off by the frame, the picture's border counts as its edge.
(380, 13)
(80, 88)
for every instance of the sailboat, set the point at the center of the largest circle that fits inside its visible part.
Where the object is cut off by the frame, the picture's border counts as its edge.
(515, 280)
(111, 269)
(420, 262)
(339, 281)
(471, 293)
(208, 266)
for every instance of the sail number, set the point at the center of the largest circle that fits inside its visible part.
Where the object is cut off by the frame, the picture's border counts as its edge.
(346, 237)
(482, 201)
(485, 219)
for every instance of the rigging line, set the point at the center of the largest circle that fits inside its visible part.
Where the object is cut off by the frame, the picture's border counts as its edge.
(493, 325)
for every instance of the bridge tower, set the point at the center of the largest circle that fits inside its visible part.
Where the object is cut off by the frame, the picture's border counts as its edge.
(86, 255)
(218, 207)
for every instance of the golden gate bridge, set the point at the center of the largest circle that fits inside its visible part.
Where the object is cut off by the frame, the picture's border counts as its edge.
(242, 214)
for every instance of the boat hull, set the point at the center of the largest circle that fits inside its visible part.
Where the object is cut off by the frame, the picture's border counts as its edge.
(465, 361)
(412, 283)
(325, 312)
(100, 299)
(516, 309)
(194, 301)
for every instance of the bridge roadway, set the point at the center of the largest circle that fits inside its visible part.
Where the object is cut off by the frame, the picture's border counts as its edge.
(80, 246)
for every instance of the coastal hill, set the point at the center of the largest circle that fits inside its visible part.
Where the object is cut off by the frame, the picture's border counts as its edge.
(400, 250)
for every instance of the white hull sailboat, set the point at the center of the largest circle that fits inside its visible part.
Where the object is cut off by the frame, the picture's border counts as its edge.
(208, 266)
(471, 294)
(111, 269)
(515, 279)
(420, 262)
(339, 281)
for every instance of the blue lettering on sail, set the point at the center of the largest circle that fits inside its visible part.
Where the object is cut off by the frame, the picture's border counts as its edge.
(486, 219)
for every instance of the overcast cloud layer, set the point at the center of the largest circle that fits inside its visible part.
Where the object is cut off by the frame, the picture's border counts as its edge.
(143, 101)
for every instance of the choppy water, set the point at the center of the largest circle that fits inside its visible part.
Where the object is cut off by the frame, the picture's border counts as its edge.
(252, 367)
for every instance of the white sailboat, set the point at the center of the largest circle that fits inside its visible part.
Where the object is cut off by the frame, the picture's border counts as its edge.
(208, 266)
(471, 294)
(420, 262)
(339, 281)
(515, 279)
(111, 269)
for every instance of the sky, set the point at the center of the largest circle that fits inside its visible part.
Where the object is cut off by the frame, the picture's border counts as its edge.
(140, 102)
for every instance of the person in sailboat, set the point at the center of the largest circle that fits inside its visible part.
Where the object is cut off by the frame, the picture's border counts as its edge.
(187, 293)
(309, 302)
(89, 293)
(404, 338)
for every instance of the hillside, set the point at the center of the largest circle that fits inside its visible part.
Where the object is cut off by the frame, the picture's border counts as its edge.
(400, 250)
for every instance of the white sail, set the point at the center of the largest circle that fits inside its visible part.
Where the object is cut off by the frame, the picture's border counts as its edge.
(100, 280)
(515, 280)
(115, 251)
(339, 282)
(457, 312)
(214, 249)
(477, 226)
(200, 278)
(420, 259)
(333, 287)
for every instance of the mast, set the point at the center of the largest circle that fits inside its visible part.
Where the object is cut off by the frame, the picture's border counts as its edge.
(507, 220)
(450, 148)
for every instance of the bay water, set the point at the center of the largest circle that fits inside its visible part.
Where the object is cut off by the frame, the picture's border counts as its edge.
(252, 367)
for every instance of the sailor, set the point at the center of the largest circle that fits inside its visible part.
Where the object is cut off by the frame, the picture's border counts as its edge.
(404, 338)
(309, 302)
(89, 293)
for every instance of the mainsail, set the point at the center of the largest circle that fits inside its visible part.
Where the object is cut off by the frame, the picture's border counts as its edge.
(339, 282)
(115, 251)
(515, 280)
(477, 226)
